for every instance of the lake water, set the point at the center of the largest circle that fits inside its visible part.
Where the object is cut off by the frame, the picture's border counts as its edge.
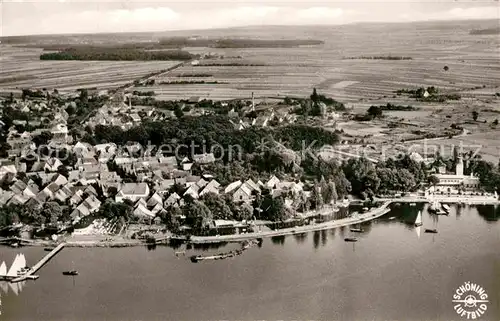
(389, 274)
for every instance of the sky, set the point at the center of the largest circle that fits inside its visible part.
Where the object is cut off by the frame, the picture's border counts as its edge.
(27, 17)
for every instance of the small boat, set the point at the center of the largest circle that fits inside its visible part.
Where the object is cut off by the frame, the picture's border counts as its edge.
(446, 207)
(14, 245)
(72, 272)
(441, 212)
(431, 230)
(418, 220)
(392, 218)
(365, 209)
(350, 239)
(413, 204)
(357, 230)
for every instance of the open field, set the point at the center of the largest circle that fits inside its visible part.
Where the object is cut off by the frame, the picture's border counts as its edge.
(472, 61)
(21, 68)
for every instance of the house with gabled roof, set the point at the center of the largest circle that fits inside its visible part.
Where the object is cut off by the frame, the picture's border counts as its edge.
(158, 208)
(18, 187)
(272, 182)
(232, 187)
(7, 167)
(142, 212)
(50, 190)
(31, 190)
(18, 199)
(90, 205)
(154, 199)
(168, 160)
(132, 191)
(82, 149)
(202, 159)
(162, 187)
(211, 187)
(63, 194)
(59, 180)
(253, 185)
(5, 196)
(172, 200)
(52, 164)
(193, 191)
(201, 183)
(243, 194)
(76, 198)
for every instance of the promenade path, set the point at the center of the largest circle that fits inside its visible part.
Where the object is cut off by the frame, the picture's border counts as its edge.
(359, 218)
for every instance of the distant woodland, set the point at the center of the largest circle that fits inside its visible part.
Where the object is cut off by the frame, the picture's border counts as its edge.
(179, 42)
(381, 57)
(489, 31)
(91, 53)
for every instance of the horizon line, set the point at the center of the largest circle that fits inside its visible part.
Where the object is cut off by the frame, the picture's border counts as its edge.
(250, 26)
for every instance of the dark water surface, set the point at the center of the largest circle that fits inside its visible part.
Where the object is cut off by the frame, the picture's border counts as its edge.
(390, 274)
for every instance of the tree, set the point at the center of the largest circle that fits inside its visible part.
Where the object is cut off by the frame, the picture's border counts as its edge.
(197, 214)
(217, 205)
(111, 209)
(314, 96)
(375, 111)
(420, 92)
(243, 212)
(178, 112)
(273, 208)
(446, 68)
(433, 180)
(63, 170)
(475, 115)
(52, 212)
(43, 138)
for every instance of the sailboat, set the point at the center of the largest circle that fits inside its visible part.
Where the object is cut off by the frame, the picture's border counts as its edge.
(418, 220)
(17, 268)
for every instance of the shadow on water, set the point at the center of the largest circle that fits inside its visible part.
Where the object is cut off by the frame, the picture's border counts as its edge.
(489, 213)
(316, 239)
(209, 246)
(279, 240)
(300, 237)
(324, 237)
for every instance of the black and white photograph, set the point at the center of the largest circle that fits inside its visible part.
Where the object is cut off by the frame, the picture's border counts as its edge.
(249, 160)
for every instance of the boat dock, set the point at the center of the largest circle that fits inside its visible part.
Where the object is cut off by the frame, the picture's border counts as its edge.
(38, 266)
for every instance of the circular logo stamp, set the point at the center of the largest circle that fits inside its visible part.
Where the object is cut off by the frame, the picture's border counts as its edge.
(470, 301)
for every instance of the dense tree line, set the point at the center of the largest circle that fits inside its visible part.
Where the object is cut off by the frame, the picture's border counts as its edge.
(115, 54)
(213, 130)
(382, 57)
(368, 179)
(49, 213)
(180, 42)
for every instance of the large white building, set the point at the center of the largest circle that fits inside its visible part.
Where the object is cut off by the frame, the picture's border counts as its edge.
(453, 183)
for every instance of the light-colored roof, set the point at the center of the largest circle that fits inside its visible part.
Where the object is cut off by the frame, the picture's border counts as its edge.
(232, 187)
(134, 189)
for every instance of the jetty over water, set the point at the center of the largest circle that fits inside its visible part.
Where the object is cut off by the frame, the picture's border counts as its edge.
(40, 264)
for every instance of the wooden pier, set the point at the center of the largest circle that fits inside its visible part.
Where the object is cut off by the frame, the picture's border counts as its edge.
(38, 266)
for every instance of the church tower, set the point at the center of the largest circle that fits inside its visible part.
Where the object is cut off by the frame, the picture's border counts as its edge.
(460, 166)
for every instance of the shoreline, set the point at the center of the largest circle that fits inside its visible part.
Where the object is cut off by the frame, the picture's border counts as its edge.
(360, 218)
(365, 217)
